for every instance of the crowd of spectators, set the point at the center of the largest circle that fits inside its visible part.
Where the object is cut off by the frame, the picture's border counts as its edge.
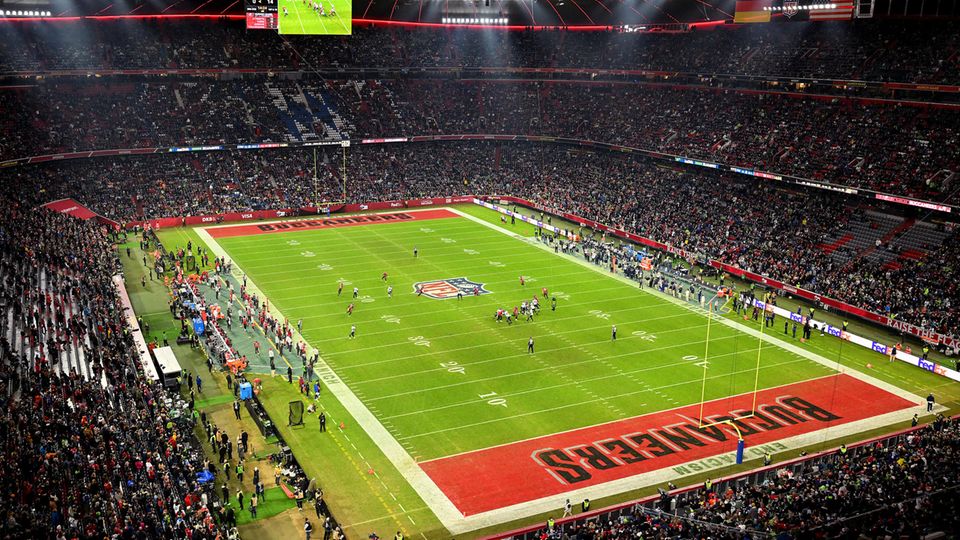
(90, 448)
(753, 224)
(922, 52)
(906, 490)
(835, 141)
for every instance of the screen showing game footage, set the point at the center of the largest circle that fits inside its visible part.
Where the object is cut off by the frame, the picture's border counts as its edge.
(316, 17)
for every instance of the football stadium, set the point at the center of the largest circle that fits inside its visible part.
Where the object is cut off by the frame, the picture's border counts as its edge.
(488, 270)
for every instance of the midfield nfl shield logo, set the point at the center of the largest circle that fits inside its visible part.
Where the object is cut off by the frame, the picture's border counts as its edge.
(790, 8)
(443, 289)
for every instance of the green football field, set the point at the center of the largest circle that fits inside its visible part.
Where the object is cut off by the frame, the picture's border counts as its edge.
(445, 377)
(442, 378)
(302, 19)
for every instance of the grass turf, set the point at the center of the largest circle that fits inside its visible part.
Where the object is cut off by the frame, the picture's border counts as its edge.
(301, 19)
(366, 505)
(444, 377)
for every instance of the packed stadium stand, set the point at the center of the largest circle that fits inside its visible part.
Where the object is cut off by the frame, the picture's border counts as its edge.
(87, 451)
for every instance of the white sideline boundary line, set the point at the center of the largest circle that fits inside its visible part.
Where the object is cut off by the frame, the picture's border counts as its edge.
(431, 494)
(456, 522)
(723, 320)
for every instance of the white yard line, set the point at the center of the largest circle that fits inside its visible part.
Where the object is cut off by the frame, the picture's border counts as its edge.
(296, 8)
(527, 372)
(438, 502)
(456, 523)
(579, 403)
(434, 314)
(722, 320)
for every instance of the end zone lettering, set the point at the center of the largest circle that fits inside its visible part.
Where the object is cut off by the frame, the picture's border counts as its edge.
(326, 222)
(332, 222)
(666, 441)
(574, 464)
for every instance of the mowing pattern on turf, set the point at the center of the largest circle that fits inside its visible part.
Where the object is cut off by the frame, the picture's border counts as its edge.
(446, 378)
(301, 18)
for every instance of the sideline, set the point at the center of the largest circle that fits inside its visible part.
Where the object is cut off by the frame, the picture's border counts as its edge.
(457, 523)
(438, 502)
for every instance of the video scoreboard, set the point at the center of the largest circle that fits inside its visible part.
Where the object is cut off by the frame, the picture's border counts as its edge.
(262, 14)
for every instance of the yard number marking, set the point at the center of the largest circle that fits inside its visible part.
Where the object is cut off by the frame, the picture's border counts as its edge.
(453, 367)
(419, 340)
(495, 401)
(692, 357)
(644, 335)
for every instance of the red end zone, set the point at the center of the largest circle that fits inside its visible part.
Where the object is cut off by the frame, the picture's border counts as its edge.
(514, 473)
(328, 223)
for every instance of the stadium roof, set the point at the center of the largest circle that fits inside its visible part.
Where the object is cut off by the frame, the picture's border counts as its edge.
(518, 12)
(550, 12)
(580, 13)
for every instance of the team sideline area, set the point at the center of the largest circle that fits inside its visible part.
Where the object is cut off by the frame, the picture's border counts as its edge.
(279, 269)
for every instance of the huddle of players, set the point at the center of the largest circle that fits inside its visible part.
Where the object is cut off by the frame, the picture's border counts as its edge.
(528, 309)
(317, 8)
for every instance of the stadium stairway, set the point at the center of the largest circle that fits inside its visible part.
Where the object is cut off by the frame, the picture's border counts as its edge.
(916, 243)
(836, 244)
(879, 253)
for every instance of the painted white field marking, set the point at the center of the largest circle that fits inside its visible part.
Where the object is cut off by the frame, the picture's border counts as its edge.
(467, 348)
(597, 400)
(435, 314)
(319, 216)
(347, 259)
(524, 355)
(723, 320)
(456, 523)
(438, 502)
(671, 364)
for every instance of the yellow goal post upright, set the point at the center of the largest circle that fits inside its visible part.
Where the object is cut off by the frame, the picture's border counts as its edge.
(342, 181)
(706, 360)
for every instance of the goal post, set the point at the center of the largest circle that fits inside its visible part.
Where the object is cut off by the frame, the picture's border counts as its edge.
(706, 362)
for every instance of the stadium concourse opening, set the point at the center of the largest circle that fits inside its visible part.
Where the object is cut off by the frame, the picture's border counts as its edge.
(479, 270)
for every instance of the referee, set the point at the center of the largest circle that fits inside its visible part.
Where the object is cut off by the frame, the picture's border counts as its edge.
(530, 345)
